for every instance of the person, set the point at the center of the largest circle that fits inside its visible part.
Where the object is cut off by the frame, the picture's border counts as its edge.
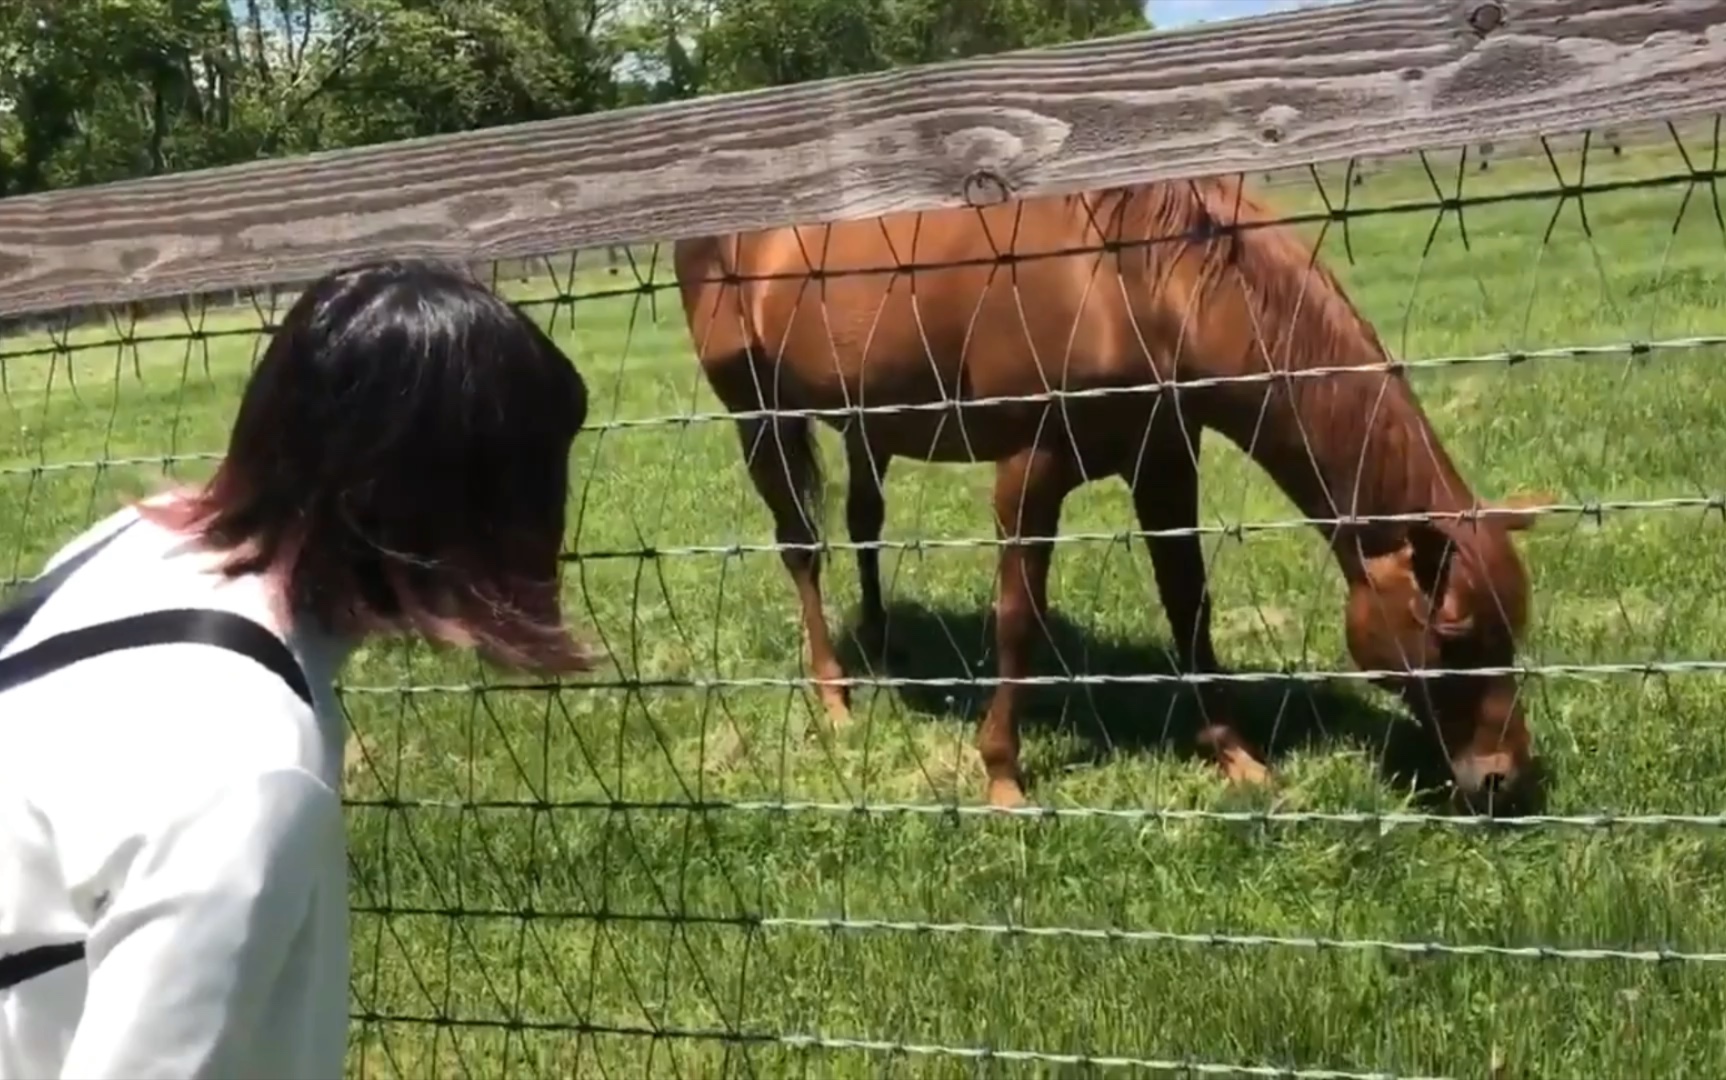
(173, 872)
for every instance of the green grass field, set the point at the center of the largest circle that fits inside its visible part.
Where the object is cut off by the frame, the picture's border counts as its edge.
(512, 924)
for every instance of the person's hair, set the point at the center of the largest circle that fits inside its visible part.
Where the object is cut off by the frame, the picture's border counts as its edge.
(400, 465)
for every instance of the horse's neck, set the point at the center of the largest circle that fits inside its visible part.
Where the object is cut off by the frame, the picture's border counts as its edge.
(1340, 449)
(1339, 446)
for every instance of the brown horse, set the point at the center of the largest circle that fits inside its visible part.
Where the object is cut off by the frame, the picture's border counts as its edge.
(1077, 294)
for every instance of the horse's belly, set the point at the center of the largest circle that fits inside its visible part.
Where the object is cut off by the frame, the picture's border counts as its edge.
(962, 432)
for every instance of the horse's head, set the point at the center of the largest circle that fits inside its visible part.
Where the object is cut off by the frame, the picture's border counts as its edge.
(1453, 596)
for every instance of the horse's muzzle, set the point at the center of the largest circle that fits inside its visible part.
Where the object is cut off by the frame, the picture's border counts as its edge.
(1491, 782)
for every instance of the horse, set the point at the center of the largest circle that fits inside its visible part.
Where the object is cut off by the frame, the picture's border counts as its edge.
(1121, 298)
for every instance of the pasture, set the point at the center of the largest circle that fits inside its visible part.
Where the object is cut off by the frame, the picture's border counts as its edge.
(531, 899)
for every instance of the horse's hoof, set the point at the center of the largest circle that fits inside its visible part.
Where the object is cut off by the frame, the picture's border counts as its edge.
(1006, 795)
(1240, 767)
(838, 711)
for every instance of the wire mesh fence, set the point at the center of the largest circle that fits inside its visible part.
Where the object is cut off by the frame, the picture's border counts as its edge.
(685, 867)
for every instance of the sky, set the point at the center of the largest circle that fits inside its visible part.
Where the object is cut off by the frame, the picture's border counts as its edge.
(1170, 14)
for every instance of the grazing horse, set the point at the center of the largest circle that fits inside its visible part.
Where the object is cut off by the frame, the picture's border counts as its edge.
(1078, 293)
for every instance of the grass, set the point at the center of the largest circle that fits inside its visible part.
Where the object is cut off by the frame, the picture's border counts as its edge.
(486, 902)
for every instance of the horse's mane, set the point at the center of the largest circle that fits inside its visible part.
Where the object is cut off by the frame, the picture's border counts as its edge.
(1371, 429)
(1237, 236)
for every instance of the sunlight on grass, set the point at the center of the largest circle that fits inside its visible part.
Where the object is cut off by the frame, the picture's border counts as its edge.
(485, 898)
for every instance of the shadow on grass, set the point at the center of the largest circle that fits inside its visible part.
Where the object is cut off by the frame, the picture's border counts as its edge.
(1112, 718)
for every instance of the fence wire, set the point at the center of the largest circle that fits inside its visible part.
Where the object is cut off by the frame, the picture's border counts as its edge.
(693, 865)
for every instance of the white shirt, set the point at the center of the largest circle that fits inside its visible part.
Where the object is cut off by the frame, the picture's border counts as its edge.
(177, 807)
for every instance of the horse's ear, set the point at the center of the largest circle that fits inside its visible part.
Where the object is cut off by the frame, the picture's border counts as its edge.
(1524, 513)
(1432, 553)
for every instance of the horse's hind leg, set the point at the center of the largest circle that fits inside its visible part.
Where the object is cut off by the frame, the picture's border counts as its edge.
(865, 515)
(1166, 497)
(781, 456)
(1029, 490)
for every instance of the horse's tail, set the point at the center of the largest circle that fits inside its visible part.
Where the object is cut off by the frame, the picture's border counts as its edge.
(729, 343)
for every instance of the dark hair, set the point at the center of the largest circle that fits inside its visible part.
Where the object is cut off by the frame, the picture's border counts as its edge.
(400, 463)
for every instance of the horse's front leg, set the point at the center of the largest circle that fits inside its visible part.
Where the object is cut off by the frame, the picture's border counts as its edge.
(1029, 490)
(1166, 498)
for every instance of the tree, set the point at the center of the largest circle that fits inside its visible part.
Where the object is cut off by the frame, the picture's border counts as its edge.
(108, 89)
(99, 90)
(752, 43)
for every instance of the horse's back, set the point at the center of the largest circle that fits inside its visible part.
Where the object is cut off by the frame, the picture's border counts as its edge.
(948, 288)
(914, 308)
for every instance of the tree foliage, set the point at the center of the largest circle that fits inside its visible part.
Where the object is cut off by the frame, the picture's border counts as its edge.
(99, 90)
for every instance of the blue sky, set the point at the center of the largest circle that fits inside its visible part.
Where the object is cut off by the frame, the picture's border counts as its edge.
(1169, 14)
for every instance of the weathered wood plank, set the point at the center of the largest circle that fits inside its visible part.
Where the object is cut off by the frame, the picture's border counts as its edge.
(1372, 76)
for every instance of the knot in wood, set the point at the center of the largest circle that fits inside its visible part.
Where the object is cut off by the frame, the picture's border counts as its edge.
(985, 187)
(1274, 123)
(1485, 18)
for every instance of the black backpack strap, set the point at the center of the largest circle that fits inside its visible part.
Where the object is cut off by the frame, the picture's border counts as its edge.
(22, 966)
(192, 626)
(175, 626)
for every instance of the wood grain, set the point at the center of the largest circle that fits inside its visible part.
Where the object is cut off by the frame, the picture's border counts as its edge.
(1367, 77)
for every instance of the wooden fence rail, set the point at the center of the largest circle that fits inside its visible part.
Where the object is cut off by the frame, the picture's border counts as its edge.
(1367, 77)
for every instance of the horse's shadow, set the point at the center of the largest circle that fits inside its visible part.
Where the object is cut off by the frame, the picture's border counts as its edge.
(1278, 715)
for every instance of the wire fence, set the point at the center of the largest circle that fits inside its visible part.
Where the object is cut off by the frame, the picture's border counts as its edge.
(685, 867)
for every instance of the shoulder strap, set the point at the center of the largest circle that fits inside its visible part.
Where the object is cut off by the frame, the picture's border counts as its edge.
(26, 965)
(174, 626)
(191, 626)
(195, 626)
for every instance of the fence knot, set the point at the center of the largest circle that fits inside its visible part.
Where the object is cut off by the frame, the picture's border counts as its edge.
(1486, 18)
(986, 187)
